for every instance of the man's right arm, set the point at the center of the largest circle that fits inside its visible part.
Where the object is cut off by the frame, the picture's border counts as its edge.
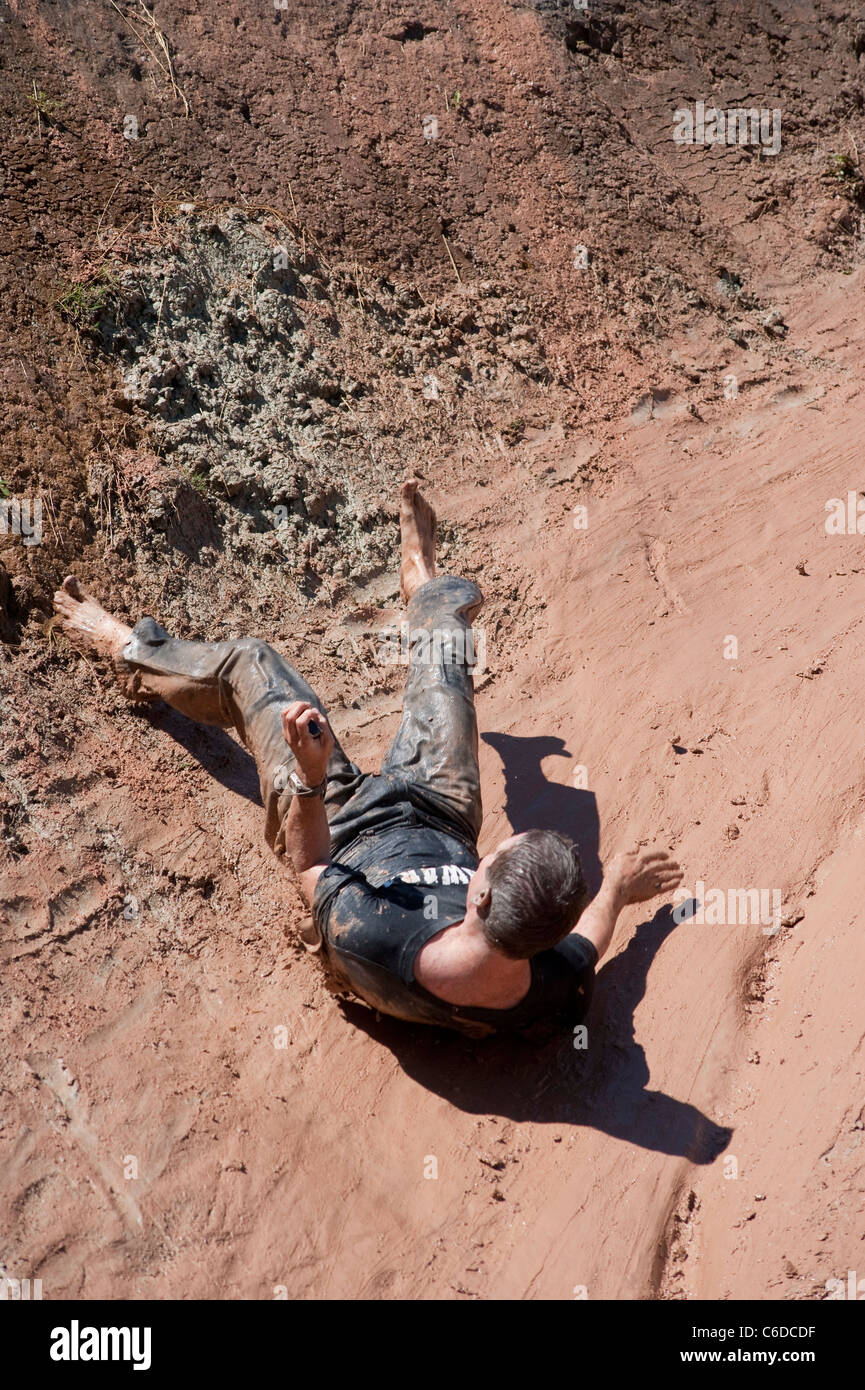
(307, 833)
(598, 922)
(307, 841)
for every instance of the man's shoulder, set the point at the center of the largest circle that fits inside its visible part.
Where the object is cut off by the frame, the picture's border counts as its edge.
(573, 953)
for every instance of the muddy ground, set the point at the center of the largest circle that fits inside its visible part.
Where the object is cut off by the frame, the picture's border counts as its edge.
(260, 263)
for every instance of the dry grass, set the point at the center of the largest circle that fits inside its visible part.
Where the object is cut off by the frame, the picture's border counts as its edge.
(161, 54)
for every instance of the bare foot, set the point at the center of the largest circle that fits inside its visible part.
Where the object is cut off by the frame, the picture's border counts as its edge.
(417, 524)
(82, 618)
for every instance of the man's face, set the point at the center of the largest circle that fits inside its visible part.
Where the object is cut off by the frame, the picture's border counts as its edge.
(478, 882)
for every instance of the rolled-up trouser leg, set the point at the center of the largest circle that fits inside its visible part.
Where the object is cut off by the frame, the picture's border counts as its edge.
(244, 685)
(436, 746)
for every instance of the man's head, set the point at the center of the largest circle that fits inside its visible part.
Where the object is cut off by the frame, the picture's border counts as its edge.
(529, 893)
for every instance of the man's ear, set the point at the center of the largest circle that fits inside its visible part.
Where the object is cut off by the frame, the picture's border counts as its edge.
(482, 901)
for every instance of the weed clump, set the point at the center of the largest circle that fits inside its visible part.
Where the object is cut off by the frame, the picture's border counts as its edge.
(88, 302)
(843, 169)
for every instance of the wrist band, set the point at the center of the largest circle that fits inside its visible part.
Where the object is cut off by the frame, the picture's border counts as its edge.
(301, 789)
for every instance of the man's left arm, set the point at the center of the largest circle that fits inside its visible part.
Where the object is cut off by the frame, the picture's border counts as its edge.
(634, 877)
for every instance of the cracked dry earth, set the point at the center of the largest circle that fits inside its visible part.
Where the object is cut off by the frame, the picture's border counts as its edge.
(227, 341)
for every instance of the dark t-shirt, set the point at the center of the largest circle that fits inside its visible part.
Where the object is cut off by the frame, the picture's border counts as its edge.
(386, 896)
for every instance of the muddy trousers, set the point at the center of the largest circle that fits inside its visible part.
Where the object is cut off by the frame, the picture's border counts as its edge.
(430, 773)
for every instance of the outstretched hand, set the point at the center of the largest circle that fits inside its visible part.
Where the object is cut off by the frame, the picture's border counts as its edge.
(311, 750)
(641, 874)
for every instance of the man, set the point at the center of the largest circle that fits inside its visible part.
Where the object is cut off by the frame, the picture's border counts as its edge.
(407, 916)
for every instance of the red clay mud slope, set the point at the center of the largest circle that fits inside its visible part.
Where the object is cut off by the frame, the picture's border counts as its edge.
(260, 263)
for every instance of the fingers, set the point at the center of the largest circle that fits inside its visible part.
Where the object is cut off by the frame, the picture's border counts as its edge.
(290, 717)
(311, 715)
(660, 865)
(296, 720)
(648, 873)
(663, 867)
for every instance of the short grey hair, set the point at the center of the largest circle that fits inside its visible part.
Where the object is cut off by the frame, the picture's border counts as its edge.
(538, 894)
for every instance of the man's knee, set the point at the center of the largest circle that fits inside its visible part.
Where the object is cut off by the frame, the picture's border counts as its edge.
(253, 646)
(252, 654)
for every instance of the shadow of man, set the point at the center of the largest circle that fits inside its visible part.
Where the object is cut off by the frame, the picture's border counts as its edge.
(534, 803)
(226, 760)
(603, 1085)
